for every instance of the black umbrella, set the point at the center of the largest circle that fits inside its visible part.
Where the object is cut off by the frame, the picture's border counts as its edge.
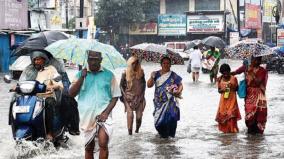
(38, 41)
(192, 43)
(214, 41)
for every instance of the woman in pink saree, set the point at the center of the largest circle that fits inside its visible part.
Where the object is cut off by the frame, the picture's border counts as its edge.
(255, 100)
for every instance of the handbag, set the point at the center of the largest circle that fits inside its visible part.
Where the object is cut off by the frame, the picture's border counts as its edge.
(242, 89)
(189, 67)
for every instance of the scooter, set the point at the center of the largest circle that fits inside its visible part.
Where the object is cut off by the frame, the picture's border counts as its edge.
(27, 115)
(275, 63)
(280, 66)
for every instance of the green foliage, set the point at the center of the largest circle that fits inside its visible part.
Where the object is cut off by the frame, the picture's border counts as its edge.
(117, 13)
(32, 3)
(72, 22)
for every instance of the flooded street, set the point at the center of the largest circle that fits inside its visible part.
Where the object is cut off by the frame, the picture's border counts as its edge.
(197, 133)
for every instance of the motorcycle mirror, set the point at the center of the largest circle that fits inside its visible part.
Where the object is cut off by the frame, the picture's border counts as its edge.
(7, 79)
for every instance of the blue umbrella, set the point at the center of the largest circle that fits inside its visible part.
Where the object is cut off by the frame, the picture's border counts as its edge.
(75, 49)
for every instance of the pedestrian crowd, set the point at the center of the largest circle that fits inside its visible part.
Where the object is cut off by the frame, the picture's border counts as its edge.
(98, 91)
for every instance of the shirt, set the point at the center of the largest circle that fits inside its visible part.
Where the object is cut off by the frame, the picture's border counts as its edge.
(48, 73)
(215, 54)
(95, 95)
(195, 57)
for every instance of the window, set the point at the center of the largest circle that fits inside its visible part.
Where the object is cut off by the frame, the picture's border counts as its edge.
(201, 5)
(177, 6)
(171, 46)
(180, 46)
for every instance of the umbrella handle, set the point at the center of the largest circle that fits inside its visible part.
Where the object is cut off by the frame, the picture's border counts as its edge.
(83, 85)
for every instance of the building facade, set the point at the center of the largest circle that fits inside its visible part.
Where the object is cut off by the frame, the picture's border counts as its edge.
(184, 20)
(56, 14)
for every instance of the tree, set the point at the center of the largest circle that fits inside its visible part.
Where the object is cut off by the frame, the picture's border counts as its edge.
(32, 3)
(112, 14)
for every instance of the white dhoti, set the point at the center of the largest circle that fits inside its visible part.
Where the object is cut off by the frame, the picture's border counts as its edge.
(91, 135)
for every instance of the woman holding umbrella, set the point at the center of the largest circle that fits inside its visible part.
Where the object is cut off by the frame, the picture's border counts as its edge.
(168, 88)
(255, 100)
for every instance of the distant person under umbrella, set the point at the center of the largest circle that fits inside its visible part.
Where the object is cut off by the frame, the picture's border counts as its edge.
(195, 61)
(214, 71)
(97, 91)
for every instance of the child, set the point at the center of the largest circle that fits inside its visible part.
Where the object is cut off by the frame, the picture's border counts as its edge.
(228, 112)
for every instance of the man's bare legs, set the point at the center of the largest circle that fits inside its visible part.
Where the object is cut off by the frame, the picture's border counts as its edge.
(103, 143)
(89, 150)
(193, 76)
(196, 76)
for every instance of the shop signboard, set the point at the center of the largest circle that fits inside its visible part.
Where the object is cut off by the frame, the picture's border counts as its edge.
(172, 25)
(267, 11)
(14, 14)
(205, 23)
(234, 37)
(81, 24)
(252, 16)
(55, 20)
(38, 20)
(143, 29)
(280, 37)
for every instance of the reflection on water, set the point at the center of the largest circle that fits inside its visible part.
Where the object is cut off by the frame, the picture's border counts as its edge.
(240, 146)
(165, 148)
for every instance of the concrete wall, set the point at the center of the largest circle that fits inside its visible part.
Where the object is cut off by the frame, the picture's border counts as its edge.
(191, 5)
(162, 6)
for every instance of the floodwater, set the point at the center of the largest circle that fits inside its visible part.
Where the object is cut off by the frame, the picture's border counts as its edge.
(197, 134)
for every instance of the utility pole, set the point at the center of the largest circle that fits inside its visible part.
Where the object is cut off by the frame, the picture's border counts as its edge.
(225, 21)
(239, 19)
(66, 13)
(81, 16)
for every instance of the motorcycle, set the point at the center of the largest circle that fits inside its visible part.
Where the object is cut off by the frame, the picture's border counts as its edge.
(275, 63)
(27, 113)
(280, 66)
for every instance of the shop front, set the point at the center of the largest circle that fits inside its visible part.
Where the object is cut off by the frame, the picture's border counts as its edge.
(202, 24)
(172, 27)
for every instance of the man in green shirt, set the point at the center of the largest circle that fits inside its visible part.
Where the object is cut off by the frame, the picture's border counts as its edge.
(214, 71)
(97, 91)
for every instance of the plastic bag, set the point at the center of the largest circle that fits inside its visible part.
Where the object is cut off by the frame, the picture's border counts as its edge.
(189, 68)
(242, 90)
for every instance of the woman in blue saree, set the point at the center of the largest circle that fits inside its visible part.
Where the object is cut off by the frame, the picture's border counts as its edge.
(168, 88)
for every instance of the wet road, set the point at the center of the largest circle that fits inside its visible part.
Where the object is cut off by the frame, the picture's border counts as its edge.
(197, 134)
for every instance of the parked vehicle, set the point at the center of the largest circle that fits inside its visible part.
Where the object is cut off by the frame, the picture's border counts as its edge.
(19, 65)
(178, 47)
(275, 63)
